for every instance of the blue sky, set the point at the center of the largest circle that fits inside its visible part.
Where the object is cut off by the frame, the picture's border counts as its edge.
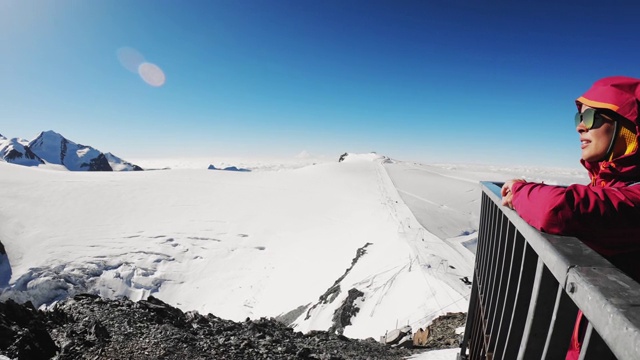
(431, 81)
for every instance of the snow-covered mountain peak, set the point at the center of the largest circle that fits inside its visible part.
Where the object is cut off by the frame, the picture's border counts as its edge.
(50, 147)
(372, 156)
(16, 151)
(49, 135)
(56, 149)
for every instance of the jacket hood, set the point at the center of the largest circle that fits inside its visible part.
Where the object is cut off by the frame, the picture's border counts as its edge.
(620, 94)
(617, 93)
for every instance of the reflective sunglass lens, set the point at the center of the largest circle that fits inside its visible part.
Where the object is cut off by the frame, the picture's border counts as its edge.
(589, 118)
(578, 119)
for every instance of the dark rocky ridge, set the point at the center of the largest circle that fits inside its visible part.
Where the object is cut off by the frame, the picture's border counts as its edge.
(14, 154)
(228, 168)
(344, 313)
(442, 331)
(89, 327)
(334, 290)
(99, 163)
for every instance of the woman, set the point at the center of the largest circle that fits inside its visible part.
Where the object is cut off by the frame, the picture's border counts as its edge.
(606, 213)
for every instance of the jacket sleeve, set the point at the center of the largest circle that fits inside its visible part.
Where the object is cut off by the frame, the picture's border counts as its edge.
(577, 208)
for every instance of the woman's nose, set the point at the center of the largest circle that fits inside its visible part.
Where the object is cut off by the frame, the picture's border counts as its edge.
(581, 128)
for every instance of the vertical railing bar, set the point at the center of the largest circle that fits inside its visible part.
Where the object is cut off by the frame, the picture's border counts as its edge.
(539, 315)
(562, 322)
(523, 296)
(477, 345)
(473, 298)
(506, 256)
(499, 269)
(474, 336)
(497, 244)
(490, 244)
(483, 289)
(491, 274)
(593, 347)
(486, 250)
(486, 213)
(482, 237)
(482, 283)
(515, 263)
(472, 340)
(480, 345)
(488, 267)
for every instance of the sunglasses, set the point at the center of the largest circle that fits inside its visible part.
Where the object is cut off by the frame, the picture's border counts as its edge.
(591, 119)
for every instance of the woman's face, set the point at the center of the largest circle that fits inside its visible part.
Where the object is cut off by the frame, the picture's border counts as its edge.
(595, 142)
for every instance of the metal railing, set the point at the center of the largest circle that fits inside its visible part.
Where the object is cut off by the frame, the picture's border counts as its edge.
(528, 287)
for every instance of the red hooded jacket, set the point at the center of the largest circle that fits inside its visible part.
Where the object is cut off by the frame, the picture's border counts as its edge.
(605, 214)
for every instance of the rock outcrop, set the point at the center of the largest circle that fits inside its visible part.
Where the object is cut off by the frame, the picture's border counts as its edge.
(441, 333)
(346, 311)
(330, 295)
(89, 327)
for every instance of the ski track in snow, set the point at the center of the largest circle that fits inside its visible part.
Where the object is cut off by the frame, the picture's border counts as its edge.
(451, 293)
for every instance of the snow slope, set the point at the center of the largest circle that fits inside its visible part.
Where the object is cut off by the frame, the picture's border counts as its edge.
(445, 198)
(249, 244)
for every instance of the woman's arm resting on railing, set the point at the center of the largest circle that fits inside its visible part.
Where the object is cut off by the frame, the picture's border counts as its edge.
(575, 209)
(507, 192)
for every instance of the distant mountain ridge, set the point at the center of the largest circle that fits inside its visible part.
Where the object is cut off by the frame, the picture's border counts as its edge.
(49, 147)
(228, 168)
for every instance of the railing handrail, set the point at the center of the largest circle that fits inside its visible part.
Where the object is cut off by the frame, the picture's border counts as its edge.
(608, 298)
(559, 253)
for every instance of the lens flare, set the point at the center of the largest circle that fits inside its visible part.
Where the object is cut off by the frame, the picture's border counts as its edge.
(130, 58)
(151, 74)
